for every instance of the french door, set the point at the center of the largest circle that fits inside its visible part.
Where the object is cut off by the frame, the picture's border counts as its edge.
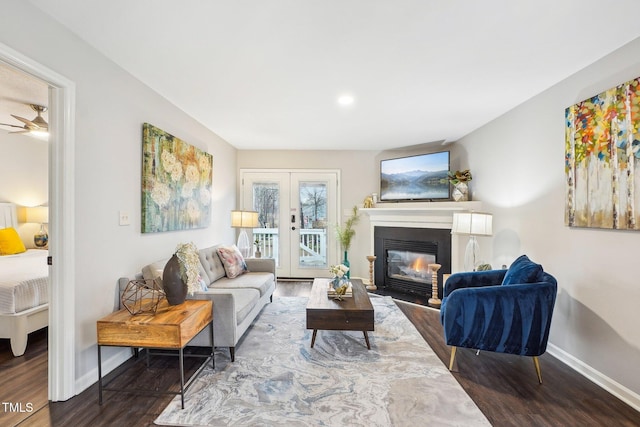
(297, 212)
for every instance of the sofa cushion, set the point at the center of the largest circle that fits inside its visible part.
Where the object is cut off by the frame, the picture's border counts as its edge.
(523, 270)
(211, 263)
(154, 270)
(246, 300)
(251, 280)
(232, 261)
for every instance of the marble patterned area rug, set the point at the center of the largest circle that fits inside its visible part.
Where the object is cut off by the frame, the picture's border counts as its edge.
(278, 380)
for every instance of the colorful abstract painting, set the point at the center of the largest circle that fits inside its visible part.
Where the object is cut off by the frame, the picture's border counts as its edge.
(602, 155)
(176, 183)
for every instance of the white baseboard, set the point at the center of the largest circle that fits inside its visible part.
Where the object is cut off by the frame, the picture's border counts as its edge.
(621, 392)
(108, 365)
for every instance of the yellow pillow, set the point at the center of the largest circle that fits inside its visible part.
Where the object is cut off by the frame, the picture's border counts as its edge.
(10, 242)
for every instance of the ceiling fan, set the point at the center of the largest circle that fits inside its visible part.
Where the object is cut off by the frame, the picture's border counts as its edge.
(38, 124)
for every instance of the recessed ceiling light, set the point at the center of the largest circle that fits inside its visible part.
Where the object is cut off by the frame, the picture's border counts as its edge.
(346, 100)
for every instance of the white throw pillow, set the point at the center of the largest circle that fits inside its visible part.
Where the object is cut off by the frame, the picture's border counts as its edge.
(154, 271)
(232, 260)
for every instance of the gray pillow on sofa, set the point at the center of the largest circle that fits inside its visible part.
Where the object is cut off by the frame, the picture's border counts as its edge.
(154, 270)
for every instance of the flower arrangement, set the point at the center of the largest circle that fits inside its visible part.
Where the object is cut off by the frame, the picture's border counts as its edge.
(346, 234)
(187, 253)
(459, 180)
(458, 177)
(338, 271)
(339, 283)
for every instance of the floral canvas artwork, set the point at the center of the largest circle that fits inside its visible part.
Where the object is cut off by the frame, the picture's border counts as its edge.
(176, 183)
(602, 156)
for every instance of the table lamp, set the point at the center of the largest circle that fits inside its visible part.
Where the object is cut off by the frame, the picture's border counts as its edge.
(242, 220)
(472, 224)
(39, 215)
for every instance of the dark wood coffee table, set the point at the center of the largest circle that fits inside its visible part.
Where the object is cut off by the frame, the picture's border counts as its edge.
(350, 314)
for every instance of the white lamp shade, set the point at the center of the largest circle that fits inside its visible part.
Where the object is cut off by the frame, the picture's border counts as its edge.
(244, 219)
(38, 214)
(473, 223)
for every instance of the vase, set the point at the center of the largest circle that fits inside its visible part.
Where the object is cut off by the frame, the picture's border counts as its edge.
(345, 262)
(461, 192)
(174, 288)
(41, 238)
(336, 282)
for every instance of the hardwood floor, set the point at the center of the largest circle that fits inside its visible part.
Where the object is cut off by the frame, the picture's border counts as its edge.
(504, 387)
(23, 380)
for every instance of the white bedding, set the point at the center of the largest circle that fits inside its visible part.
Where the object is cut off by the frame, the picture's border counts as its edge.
(24, 281)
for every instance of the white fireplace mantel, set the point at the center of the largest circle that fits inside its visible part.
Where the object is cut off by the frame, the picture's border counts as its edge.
(420, 215)
(424, 215)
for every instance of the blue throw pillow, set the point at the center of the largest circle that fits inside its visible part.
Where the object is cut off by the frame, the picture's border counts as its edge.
(523, 270)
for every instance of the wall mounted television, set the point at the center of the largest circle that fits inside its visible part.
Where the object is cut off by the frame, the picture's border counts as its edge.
(415, 178)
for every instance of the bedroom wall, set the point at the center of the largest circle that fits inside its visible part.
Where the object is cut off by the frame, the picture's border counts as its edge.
(111, 106)
(24, 170)
(518, 168)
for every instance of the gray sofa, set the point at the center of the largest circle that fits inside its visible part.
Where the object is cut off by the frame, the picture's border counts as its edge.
(236, 302)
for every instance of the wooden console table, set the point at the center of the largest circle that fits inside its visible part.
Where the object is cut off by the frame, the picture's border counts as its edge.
(170, 328)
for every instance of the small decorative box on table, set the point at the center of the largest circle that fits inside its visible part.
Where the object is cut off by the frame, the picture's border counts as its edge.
(342, 290)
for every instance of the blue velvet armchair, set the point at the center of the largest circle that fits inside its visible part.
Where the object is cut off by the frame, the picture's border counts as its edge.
(504, 311)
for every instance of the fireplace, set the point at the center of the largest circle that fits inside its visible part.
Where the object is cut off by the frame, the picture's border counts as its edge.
(403, 256)
(409, 266)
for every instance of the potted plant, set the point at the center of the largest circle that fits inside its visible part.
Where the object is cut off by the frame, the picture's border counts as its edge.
(345, 235)
(257, 253)
(459, 180)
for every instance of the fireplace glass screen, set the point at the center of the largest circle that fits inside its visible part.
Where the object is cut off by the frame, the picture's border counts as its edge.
(409, 266)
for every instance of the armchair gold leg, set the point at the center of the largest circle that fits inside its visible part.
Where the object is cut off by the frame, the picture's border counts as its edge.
(536, 362)
(453, 356)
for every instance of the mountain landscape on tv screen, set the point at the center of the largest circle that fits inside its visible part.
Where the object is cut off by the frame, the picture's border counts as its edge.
(414, 185)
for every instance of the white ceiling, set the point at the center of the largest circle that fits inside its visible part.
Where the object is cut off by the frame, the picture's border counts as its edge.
(17, 91)
(266, 74)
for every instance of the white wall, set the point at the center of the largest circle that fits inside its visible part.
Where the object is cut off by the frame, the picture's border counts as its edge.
(359, 174)
(111, 106)
(518, 168)
(359, 170)
(24, 170)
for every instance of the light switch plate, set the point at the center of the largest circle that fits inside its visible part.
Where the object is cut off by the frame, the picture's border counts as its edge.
(124, 218)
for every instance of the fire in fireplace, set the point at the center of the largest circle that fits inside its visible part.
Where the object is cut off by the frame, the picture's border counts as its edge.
(410, 266)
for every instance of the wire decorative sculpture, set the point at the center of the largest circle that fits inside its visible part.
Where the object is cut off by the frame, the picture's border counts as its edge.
(142, 296)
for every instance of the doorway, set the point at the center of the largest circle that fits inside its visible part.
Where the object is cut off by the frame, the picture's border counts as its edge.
(24, 174)
(297, 213)
(61, 346)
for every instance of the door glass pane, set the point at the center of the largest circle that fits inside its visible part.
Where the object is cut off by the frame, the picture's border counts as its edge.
(266, 200)
(313, 224)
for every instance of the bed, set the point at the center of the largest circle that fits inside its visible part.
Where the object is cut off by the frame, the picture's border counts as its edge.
(24, 289)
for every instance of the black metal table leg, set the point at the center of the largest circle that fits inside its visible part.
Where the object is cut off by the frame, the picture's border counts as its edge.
(181, 357)
(99, 375)
(213, 362)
